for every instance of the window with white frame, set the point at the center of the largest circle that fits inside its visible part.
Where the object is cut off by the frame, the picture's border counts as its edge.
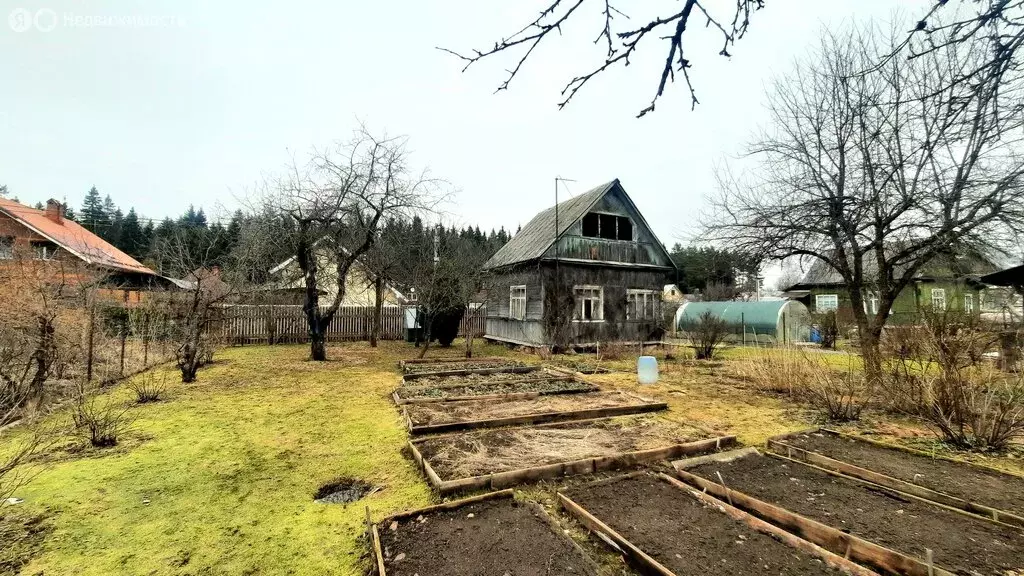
(517, 302)
(969, 303)
(824, 302)
(642, 304)
(44, 250)
(938, 298)
(589, 303)
(6, 247)
(871, 302)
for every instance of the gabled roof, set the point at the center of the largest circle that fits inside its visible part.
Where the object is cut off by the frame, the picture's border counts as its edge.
(534, 239)
(941, 266)
(72, 237)
(283, 266)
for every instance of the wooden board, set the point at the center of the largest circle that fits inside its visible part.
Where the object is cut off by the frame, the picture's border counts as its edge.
(484, 371)
(499, 480)
(778, 445)
(827, 537)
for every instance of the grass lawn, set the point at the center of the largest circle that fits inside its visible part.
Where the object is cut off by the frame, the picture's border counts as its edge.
(219, 477)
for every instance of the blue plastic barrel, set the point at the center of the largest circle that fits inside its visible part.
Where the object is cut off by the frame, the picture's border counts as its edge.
(647, 370)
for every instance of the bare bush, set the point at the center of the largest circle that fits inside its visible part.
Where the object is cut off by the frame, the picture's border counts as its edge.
(841, 397)
(148, 387)
(828, 328)
(705, 334)
(984, 415)
(784, 370)
(99, 419)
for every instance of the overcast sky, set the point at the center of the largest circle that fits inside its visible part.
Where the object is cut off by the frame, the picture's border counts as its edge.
(193, 101)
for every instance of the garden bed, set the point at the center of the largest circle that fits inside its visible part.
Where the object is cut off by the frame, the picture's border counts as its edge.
(976, 489)
(505, 457)
(446, 365)
(664, 527)
(446, 379)
(438, 417)
(508, 368)
(504, 389)
(870, 524)
(489, 534)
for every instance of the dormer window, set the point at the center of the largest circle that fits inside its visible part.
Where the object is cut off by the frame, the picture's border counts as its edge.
(607, 226)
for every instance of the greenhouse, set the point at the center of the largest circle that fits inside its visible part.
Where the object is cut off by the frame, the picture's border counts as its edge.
(763, 322)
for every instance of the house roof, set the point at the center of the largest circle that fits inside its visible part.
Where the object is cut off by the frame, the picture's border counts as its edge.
(72, 237)
(1013, 276)
(533, 240)
(941, 266)
(282, 267)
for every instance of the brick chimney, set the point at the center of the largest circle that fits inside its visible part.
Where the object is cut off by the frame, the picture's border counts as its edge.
(55, 211)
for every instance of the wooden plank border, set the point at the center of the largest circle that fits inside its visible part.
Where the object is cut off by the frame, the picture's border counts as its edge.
(823, 535)
(779, 446)
(617, 461)
(588, 387)
(467, 372)
(413, 361)
(536, 418)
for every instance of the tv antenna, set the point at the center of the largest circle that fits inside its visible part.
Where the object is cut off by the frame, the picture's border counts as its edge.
(558, 249)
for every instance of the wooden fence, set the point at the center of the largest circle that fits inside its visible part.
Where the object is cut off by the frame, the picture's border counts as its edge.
(280, 324)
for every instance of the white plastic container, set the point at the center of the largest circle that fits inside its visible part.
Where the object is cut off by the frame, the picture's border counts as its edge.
(647, 370)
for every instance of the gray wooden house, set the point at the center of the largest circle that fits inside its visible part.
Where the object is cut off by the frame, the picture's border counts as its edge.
(597, 279)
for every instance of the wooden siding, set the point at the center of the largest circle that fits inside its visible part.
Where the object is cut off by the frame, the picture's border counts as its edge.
(273, 324)
(498, 293)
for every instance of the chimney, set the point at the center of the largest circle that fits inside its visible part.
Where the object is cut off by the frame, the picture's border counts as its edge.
(55, 211)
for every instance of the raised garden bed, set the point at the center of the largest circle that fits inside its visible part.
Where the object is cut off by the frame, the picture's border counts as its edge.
(976, 489)
(489, 534)
(510, 368)
(500, 458)
(439, 417)
(499, 389)
(872, 525)
(456, 379)
(664, 527)
(409, 367)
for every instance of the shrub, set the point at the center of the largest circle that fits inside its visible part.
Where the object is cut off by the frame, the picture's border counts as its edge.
(784, 370)
(706, 334)
(978, 416)
(828, 328)
(841, 397)
(148, 387)
(100, 420)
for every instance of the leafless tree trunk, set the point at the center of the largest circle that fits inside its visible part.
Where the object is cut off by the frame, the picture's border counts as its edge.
(879, 171)
(378, 308)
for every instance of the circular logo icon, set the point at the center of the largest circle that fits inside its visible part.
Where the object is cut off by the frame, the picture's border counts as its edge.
(20, 19)
(45, 20)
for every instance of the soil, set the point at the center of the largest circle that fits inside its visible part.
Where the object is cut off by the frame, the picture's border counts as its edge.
(449, 412)
(476, 378)
(971, 483)
(490, 538)
(687, 536)
(960, 543)
(342, 491)
(470, 365)
(487, 388)
(480, 453)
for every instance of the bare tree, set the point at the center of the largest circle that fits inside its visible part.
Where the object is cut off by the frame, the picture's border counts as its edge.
(334, 205)
(623, 42)
(877, 174)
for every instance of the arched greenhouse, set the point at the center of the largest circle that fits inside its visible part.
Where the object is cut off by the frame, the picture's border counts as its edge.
(764, 322)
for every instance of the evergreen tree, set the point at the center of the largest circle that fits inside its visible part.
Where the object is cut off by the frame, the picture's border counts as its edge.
(113, 234)
(69, 212)
(92, 216)
(39, 206)
(131, 236)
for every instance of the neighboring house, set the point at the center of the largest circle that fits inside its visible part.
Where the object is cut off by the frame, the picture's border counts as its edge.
(290, 285)
(599, 278)
(946, 283)
(1005, 303)
(672, 293)
(61, 247)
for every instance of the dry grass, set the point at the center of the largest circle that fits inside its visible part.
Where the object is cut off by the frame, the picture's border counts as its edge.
(473, 454)
(445, 412)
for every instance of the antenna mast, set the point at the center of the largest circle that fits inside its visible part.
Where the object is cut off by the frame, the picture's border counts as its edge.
(558, 249)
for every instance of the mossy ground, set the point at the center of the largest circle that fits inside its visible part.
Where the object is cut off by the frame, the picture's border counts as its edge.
(219, 477)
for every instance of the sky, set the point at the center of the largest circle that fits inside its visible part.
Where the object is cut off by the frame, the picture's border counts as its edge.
(162, 104)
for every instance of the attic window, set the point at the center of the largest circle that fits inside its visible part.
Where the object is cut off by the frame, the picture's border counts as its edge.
(607, 226)
(44, 250)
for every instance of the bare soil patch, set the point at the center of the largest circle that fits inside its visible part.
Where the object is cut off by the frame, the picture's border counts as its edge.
(488, 538)
(504, 386)
(686, 535)
(467, 365)
(960, 543)
(468, 378)
(972, 483)
(342, 491)
(479, 453)
(477, 410)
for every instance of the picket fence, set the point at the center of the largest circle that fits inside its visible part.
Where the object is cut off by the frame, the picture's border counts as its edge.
(283, 324)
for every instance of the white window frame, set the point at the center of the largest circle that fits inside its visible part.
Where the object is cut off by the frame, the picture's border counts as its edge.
(517, 302)
(650, 301)
(819, 298)
(871, 301)
(938, 295)
(596, 312)
(43, 251)
(6, 247)
(969, 303)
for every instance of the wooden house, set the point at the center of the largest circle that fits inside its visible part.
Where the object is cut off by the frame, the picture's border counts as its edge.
(586, 271)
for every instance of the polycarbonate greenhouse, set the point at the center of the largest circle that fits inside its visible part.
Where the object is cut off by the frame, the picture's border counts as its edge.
(763, 322)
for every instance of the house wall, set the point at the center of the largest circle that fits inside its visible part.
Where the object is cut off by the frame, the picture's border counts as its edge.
(358, 284)
(543, 283)
(906, 309)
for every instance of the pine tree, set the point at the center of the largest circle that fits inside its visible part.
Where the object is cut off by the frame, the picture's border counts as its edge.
(69, 212)
(131, 237)
(39, 206)
(113, 234)
(92, 216)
